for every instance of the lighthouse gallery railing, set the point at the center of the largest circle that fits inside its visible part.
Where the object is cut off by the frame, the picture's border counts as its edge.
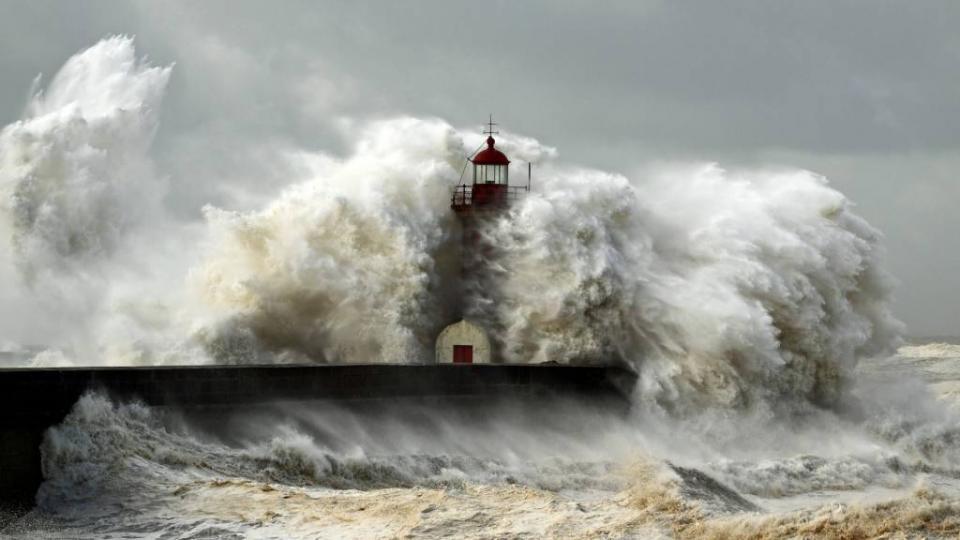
(462, 196)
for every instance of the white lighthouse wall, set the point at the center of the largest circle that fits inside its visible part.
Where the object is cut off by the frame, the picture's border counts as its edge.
(463, 333)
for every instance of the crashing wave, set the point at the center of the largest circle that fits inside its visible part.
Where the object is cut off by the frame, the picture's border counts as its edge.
(75, 172)
(722, 289)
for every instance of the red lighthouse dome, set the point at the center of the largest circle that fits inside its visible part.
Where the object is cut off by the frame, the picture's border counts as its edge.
(490, 155)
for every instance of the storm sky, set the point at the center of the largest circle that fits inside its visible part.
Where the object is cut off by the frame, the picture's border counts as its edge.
(865, 93)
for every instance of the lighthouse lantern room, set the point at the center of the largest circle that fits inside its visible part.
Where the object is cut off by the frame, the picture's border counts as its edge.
(490, 189)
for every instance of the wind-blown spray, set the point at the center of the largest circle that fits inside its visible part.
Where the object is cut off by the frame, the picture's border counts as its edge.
(80, 203)
(720, 288)
(75, 172)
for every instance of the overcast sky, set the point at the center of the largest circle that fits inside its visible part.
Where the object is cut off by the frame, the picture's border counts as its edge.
(865, 93)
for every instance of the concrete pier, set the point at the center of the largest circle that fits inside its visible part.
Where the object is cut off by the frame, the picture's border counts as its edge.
(31, 400)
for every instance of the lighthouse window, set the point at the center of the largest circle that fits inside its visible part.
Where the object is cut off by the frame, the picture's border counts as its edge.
(490, 174)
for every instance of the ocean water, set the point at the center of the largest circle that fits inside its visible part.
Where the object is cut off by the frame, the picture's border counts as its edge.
(123, 470)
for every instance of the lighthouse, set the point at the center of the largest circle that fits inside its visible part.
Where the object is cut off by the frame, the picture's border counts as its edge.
(487, 196)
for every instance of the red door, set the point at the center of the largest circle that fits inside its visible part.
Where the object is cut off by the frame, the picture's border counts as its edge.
(463, 354)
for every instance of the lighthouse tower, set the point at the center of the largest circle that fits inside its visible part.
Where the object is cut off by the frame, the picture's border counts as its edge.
(486, 197)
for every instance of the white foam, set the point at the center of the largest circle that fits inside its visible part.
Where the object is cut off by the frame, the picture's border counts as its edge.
(930, 350)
